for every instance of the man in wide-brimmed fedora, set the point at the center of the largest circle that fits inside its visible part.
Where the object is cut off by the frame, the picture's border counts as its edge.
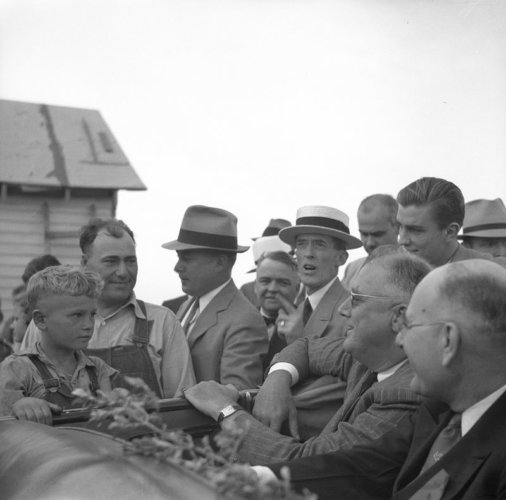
(321, 238)
(485, 227)
(226, 334)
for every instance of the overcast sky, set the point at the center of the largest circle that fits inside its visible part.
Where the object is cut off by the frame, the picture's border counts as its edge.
(262, 106)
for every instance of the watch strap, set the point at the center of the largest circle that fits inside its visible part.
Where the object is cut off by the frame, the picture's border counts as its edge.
(227, 411)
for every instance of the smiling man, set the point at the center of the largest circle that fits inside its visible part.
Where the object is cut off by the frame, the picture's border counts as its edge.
(137, 338)
(276, 275)
(455, 339)
(431, 212)
(378, 377)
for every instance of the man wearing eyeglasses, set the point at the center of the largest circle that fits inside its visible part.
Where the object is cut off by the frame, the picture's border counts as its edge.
(455, 339)
(378, 376)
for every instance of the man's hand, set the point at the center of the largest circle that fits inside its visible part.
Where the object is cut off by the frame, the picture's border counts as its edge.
(274, 403)
(289, 320)
(210, 397)
(35, 410)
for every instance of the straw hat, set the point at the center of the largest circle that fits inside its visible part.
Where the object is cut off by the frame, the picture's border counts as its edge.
(321, 220)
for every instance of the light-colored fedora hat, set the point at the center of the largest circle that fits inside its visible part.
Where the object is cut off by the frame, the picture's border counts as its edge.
(484, 219)
(207, 228)
(267, 244)
(318, 219)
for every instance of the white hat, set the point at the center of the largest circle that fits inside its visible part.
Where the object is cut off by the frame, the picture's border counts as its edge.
(321, 220)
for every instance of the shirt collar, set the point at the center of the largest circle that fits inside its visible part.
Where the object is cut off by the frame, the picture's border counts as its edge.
(390, 371)
(131, 302)
(207, 297)
(265, 314)
(472, 414)
(316, 296)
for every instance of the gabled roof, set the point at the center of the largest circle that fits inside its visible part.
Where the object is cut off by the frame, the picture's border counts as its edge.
(43, 145)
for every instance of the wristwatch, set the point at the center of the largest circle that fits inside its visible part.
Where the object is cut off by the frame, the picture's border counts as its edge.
(227, 411)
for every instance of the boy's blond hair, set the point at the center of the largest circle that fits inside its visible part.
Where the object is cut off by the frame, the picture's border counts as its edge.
(63, 280)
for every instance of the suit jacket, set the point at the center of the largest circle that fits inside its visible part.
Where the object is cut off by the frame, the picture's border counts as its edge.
(351, 271)
(228, 340)
(464, 253)
(389, 467)
(317, 398)
(365, 415)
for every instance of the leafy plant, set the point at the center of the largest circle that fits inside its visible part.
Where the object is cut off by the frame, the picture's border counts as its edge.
(212, 460)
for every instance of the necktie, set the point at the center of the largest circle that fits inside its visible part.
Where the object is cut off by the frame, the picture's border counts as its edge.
(191, 317)
(307, 311)
(444, 441)
(270, 320)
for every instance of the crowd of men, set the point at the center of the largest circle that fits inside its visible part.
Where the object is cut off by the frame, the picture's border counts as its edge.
(388, 384)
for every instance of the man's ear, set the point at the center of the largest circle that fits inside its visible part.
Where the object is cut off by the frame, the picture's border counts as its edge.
(452, 230)
(450, 342)
(341, 258)
(397, 322)
(84, 260)
(39, 319)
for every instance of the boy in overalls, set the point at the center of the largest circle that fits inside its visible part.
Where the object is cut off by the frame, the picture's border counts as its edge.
(40, 380)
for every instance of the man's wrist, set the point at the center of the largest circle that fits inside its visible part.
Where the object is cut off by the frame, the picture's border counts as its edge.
(228, 411)
(286, 367)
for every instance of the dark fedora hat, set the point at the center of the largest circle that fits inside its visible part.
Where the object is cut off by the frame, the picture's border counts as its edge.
(207, 228)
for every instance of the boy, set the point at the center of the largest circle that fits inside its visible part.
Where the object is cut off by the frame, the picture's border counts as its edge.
(40, 380)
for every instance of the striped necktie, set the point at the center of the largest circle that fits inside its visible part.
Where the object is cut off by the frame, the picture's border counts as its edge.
(191, 317)
(307, 311)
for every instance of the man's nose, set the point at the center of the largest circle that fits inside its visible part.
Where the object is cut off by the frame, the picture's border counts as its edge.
(345, 308)
(403, 237)
(122, 269)
(178, 266)
(273, 286)
(370, 243)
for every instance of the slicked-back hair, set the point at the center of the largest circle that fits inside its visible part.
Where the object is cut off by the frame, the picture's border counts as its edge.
(404, 270)
(481, 294)
(37, 264)
(444, 197)
(279, 256)
(113, 227)
(389, 202)
(63, 280)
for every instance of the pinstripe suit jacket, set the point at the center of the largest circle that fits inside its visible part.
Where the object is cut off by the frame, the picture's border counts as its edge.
(363, 417)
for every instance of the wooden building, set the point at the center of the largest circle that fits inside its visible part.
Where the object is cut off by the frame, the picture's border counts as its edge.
(59, 167)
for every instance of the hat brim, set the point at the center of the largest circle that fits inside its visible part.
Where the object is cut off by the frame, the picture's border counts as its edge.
(177, 245)
(289, 234)
(487, 233)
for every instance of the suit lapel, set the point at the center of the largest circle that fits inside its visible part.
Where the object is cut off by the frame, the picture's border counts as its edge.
(183, 308)
(209, 317)
(461, 462)
(324, 311)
